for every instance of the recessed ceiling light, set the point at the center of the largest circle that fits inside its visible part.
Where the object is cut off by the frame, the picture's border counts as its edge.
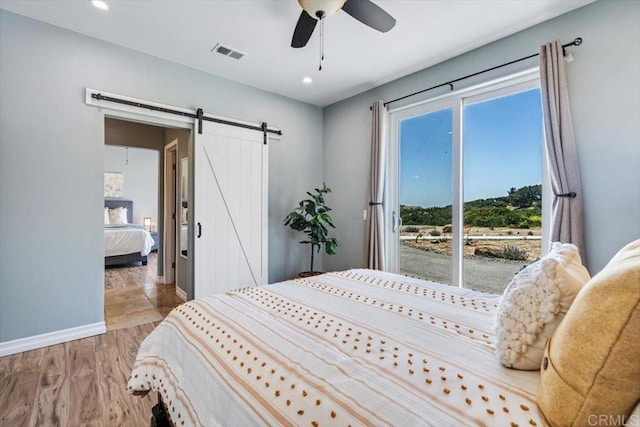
(307, 80)
(100, 4)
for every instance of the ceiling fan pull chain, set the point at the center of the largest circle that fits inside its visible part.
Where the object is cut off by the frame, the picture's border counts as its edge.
(321, 42)
(323, 39)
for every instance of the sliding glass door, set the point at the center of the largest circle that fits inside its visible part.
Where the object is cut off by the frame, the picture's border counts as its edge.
(465, 186)
(502, 179)
(425, 194)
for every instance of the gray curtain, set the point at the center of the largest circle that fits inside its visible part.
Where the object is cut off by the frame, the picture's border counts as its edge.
(567, 211)
(375, 253)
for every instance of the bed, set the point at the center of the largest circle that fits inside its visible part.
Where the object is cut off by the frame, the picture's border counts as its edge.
(359, 347)
(125, 243)
(365, 347)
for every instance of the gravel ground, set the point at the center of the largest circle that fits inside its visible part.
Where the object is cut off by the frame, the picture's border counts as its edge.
(481, 274)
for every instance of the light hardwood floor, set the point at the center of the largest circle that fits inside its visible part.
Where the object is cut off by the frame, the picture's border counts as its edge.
(78, 383)
(83, 382)
(133, 296)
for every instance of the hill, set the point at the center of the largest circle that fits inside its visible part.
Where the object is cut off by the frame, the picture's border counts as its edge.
(520, 208)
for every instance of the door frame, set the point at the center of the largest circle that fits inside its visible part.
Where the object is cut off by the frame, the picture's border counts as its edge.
(169, 212)
(145, 116)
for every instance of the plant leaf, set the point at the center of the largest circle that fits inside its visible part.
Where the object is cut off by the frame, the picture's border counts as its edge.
(311, 217)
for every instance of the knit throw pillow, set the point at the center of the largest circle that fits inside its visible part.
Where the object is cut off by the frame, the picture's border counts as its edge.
(534, 303)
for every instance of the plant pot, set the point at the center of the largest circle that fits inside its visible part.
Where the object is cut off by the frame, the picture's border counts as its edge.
(309, 274)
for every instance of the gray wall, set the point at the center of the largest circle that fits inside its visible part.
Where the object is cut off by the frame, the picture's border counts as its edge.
(51, 156)
(604, 88)
(139, 167)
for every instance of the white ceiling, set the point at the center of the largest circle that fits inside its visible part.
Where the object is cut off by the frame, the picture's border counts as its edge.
(357, 58)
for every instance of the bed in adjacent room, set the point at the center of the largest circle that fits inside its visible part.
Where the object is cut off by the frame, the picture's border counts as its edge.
(124, 242)
(364, 347)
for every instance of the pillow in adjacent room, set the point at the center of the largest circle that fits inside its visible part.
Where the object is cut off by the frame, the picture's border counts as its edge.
(591, 365)
(106, 216)
(534, 303)
(118, 215)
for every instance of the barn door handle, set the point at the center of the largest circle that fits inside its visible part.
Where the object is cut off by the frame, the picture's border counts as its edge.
(199, 230)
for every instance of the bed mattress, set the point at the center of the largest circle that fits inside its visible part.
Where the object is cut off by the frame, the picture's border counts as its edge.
(359, 347)
(126, 239)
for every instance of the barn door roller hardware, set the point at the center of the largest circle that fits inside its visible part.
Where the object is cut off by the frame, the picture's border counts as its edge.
(199, 114)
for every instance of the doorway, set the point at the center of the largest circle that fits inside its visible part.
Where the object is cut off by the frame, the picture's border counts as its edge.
(143, 290)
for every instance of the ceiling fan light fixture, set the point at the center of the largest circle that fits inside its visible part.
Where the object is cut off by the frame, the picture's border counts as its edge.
(321, 8)
(314, 11)
(100, 4)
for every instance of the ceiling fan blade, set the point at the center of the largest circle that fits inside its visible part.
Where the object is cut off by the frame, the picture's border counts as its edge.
(370, 14)
(304, 28)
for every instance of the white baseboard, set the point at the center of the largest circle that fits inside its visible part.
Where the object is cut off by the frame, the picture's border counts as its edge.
(161, 279)
(180, 293)
(51, 338)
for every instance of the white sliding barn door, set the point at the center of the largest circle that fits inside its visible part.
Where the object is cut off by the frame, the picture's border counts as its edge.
(230, 209)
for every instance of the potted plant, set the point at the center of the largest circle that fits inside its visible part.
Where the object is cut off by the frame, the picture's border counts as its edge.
(312, 218)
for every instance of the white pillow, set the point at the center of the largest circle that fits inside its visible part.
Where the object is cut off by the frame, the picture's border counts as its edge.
(118, 215)
(534, 303)
(106, 216)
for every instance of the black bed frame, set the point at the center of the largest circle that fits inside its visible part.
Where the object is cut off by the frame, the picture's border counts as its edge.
(159, 417)
(126, 258)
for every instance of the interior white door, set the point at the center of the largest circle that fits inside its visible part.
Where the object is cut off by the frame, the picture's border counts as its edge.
(229, 209)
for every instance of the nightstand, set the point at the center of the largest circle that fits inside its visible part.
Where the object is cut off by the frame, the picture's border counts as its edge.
(154, 235)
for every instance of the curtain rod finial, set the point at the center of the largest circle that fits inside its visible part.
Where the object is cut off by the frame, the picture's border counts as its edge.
(577, 41)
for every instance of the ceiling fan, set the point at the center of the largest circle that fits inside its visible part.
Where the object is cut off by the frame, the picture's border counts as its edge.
(317, 10)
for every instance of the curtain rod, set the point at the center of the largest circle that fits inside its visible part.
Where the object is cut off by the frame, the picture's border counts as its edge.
(198, 115)
(576, 42)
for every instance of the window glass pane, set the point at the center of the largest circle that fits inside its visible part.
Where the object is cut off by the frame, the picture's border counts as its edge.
(426, 196)
(502, 178)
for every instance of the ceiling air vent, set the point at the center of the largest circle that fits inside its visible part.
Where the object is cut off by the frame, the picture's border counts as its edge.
(227, 51)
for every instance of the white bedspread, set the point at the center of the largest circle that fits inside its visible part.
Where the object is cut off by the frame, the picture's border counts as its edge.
(121, 241)
(353, 348)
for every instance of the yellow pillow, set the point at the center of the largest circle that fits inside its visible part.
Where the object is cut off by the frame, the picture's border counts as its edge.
(591, 366)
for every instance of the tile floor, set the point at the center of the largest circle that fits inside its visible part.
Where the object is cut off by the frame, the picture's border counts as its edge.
(133, 295)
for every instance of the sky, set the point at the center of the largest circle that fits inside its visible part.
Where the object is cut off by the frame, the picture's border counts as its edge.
(502, 149)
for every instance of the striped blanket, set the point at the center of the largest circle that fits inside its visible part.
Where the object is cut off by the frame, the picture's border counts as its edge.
(359, 347)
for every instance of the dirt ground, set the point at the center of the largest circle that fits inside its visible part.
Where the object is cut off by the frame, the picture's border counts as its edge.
(471, 246)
